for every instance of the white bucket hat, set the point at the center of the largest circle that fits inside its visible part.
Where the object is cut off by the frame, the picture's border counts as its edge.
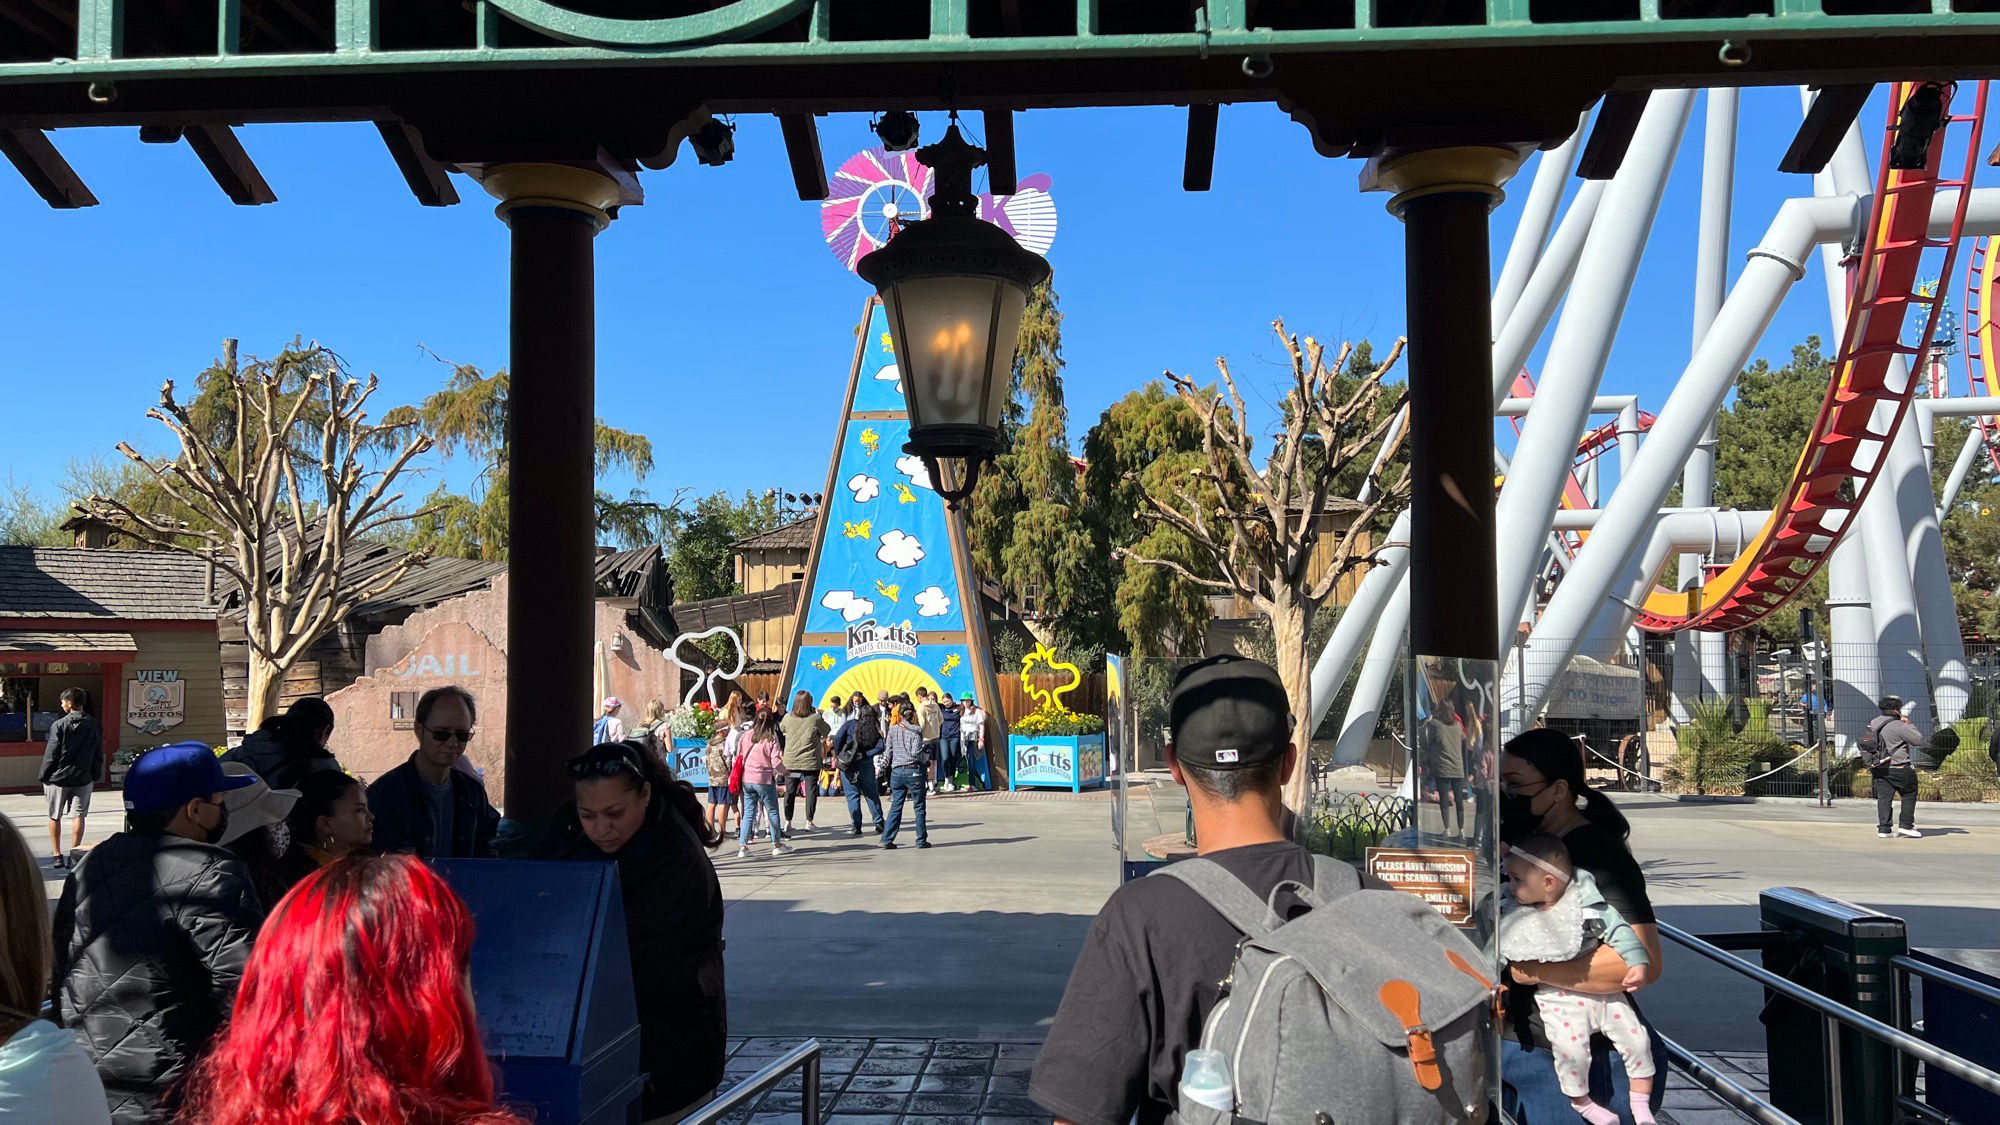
(254, 806)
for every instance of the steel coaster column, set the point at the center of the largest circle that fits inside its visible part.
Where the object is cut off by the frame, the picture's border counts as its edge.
(1538, 213)
(1701, 665)
(553, 213)
(1857, 681)
(1581, 347)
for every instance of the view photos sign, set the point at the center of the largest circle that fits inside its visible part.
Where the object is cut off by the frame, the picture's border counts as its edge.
(866, 638)
(155, 700)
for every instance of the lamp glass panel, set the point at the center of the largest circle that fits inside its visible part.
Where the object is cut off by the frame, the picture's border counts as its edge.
(945, 355)
(1013, 304)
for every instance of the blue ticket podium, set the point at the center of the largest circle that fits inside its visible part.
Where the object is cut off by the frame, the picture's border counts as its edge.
(552, 980)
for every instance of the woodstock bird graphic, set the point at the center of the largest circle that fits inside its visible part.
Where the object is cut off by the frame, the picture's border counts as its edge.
(824, 663)
(949, 666)
(888, 591)
(870, 441)
(854, 530)
(903, 494)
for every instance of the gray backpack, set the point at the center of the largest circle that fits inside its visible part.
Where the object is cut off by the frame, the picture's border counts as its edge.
(1367, 1008)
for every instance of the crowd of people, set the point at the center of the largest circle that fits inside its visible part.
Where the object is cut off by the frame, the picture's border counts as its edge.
(761, 760)
(223, 959)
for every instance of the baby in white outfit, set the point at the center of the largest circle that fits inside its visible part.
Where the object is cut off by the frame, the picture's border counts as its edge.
(1556, 913)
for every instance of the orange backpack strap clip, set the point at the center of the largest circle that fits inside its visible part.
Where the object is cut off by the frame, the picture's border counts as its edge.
(1404, 1003)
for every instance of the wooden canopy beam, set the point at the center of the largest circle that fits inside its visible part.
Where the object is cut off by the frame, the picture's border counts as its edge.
(428, 179)
(36, 158)
(222, 154)
(1825, 125)
(1611, 134)
(1002, 178)
(1199, 171)
(802, 149)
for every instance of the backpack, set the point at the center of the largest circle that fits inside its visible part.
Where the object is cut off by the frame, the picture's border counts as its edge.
(1368, 1007)
(867, 729)
(1869, 745)
(851, 753)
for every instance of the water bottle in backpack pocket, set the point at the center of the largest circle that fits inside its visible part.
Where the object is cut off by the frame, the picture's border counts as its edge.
(1367, 1008)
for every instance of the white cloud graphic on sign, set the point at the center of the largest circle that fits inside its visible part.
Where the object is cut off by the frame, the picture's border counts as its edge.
(891, 374)
(864, 487)
(900, 550)
(912, 466)
(845, 603)
(932, 602)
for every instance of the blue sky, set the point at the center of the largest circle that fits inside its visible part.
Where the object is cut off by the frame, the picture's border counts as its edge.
(725, 328)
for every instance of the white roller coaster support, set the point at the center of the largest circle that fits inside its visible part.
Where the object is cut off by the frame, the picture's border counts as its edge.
(1773, 266)
(1538, 213)
(1700, 666)
(1850, 619)
(1706, 531)
(1907, 526)
(1377, 589)
(1580, 349)
(1960, 469)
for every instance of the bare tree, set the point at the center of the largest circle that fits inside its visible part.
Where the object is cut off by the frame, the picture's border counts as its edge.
(1259, 527)
(282, 475)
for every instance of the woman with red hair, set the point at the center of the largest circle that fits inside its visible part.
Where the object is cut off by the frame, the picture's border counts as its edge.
(355, 1007)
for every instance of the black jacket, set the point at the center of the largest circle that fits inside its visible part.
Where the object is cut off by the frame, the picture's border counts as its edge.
(75, 755)
(151, 936)
(280, 761)
(401, 802)
(673, 920)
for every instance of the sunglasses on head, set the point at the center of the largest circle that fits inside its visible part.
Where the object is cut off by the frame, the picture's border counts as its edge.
(446, 734)
(605, 761)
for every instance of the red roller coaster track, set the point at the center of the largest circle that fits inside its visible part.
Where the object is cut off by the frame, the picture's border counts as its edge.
(1843, 457)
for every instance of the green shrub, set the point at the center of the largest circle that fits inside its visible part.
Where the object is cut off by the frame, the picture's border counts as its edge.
(1967, 774)
(1714, 759)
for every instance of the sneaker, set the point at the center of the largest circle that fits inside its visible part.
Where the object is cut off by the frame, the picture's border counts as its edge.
(923, 843)
(890, 846)
(878, 830)
(1910, 832)
(58, 861)
(811, 827)
(743, 853)
(1885, 835)
(783, 850)
(855, 831)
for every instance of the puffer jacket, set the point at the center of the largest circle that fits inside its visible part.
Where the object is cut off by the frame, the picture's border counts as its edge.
(151, 936)
(673, 925)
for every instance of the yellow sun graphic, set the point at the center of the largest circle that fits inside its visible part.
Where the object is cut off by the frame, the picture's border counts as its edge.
(881, 674)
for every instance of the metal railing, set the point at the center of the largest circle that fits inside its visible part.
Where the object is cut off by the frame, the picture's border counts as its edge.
(1901, 969)
(1834, 1017)
(805, 1055)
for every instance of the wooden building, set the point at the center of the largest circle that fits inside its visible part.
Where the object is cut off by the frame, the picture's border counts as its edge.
(134, 629)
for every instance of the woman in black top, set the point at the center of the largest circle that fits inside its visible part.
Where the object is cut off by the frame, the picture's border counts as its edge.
(628, 810)
(1542, 789)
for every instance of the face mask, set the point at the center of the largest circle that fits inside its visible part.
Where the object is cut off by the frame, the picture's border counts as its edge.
(221, 828)
(1518, 818)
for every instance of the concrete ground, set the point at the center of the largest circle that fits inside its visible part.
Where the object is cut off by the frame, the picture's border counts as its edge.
(972, 940)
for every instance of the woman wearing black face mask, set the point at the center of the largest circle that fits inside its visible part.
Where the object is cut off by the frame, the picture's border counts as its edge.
(1542, 789)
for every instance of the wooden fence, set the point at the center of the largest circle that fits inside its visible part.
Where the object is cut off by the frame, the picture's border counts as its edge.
(1016, 702)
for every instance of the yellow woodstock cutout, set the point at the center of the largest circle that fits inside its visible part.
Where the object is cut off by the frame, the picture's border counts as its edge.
(950, 665)
(888, 591)
(870, 440)
(852, 530)
(1051, 698)
(903, 494)
(824, 663)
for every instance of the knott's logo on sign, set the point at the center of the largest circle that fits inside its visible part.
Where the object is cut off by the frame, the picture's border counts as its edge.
(866, 638)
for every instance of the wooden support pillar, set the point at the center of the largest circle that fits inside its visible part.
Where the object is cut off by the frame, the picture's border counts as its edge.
(553, 213)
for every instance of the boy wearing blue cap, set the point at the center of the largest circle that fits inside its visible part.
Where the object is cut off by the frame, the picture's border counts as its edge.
(153, 929)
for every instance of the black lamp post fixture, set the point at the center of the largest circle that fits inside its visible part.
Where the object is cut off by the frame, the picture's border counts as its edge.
(954, 287)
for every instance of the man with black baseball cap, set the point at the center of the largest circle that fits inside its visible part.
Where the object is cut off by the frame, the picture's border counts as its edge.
(153, 930)
(1885, 750)
(1150, 969)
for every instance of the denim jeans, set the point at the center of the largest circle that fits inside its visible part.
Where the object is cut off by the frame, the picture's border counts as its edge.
(976, 769)
(860, 786)
(754, 796)
(949, 758)
(905, 784)
(1531, 1096)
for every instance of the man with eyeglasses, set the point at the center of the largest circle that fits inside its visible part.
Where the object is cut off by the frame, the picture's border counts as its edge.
(429, 805)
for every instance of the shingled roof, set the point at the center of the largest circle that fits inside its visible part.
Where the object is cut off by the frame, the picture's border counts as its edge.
(797, 534)
(57, 582)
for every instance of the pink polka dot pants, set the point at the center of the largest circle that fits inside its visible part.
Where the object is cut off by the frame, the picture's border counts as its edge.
(1570, 1018)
